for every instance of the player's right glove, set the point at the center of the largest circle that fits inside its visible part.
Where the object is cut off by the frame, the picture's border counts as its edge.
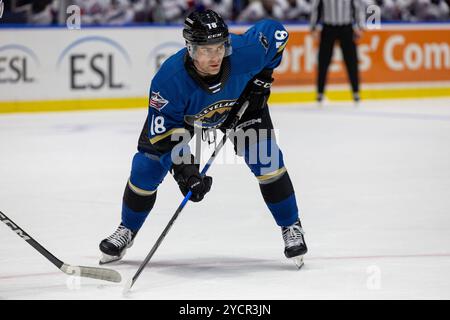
(189, 179)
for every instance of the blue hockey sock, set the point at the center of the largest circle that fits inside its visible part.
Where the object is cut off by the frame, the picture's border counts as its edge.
(133, 220)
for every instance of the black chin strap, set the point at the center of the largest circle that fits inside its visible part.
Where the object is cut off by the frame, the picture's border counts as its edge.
(211, 84)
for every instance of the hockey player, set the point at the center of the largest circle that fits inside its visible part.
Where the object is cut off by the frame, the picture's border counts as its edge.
(200, 86)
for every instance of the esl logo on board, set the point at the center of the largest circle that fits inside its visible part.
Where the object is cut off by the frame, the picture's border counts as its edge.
(18, 63)
(95, 63)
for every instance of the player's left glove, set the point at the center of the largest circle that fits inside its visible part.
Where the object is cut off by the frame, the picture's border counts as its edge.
(256, 93)
(259, 89)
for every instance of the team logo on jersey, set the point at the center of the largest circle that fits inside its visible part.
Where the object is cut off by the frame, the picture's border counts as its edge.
(212, 116)
(157, 101)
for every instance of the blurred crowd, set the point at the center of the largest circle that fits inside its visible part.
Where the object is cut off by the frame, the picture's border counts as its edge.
(174, 11)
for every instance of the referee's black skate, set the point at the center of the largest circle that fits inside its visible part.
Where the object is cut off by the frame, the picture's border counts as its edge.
(294, 243)
(115, 246)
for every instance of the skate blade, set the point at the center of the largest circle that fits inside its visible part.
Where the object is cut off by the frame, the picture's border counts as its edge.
(298, 261)
(106, 258)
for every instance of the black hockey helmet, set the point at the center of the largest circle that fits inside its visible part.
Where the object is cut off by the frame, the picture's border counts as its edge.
(205, 28)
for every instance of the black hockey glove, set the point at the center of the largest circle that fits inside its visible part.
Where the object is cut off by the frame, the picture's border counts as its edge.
(256, 92)
(188, 178)
(259, 89)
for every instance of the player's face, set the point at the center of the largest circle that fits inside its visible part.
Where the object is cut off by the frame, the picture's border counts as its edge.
(208, 59)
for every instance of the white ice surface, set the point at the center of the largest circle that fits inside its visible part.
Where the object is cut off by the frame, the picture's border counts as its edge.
(373, 187)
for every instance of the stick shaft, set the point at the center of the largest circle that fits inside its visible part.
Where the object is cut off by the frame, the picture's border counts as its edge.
(25, 236)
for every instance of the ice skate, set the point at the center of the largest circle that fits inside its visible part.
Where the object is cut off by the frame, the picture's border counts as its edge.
(115, 246)
(294, 243)
(356, 100)
(320, 100)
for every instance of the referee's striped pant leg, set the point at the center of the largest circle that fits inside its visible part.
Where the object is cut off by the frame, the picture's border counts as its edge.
(139, 196)
(265, 160)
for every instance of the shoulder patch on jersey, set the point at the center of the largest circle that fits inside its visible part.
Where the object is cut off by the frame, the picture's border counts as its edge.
(157, 101)
(264, 41)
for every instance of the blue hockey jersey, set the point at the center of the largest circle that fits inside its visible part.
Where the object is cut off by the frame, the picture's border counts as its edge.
(177, 101)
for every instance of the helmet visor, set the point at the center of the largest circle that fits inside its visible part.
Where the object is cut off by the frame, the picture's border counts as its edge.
(209, 50)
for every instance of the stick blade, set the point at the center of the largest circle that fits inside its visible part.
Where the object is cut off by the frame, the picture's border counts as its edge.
(92, 272)
(127, 287)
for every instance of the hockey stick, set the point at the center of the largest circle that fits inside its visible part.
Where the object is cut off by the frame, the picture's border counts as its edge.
(237, 117)
(87, 272)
